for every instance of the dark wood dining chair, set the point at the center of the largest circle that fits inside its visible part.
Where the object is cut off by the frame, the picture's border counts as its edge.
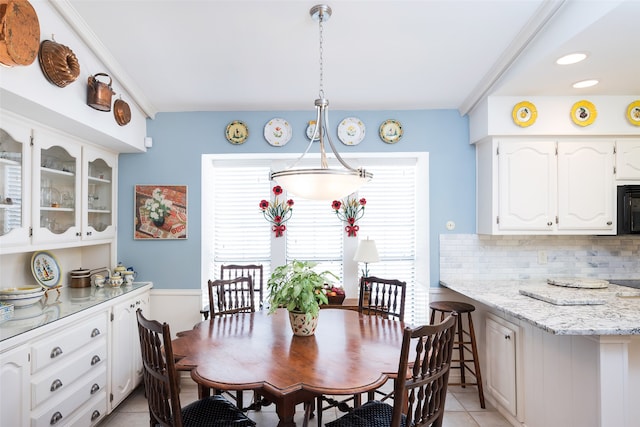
(233, 271)
(228, 297)
(161, 385)
(421, 384)
(231, 296)
(379, 297)
(382, 297)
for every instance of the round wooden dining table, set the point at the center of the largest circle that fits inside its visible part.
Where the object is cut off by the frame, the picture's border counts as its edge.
(350, 353)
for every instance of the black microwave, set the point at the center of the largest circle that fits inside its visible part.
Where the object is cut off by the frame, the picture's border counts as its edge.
(629, 209)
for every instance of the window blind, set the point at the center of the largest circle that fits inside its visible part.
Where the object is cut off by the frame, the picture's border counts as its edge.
(239, 234)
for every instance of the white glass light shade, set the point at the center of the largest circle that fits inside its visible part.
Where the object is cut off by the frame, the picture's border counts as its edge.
(321, 184)
(366, 252)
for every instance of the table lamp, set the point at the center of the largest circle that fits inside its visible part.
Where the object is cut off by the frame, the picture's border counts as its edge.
(366, 252)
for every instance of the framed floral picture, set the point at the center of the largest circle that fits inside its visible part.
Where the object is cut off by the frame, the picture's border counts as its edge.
(160, 212)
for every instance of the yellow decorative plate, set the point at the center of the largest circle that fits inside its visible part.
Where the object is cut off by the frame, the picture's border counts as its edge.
(583, 113)
(237, 132)
(391, 131)
(633, 113)
(524, 114)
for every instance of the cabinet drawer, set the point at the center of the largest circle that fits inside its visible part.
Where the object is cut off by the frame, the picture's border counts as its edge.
(92, 412)
(51, 350)
(59, 410)
(52, 382)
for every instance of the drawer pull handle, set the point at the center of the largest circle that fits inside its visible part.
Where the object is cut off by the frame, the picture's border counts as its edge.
(95, 360)
(55, 418)
(95, 332)
(95, 415)
(56, 384)
(57, 351)
(94, 388)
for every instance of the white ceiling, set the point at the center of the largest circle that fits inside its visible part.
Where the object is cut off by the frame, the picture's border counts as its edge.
(238, 55)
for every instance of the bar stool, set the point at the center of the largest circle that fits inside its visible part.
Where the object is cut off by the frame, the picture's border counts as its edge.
(463, 339)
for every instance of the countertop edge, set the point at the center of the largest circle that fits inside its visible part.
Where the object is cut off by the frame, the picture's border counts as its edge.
(500, 303)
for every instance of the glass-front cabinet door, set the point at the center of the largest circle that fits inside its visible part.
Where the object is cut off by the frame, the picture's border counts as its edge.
(14, 182)
(56, 161)
(98, 202)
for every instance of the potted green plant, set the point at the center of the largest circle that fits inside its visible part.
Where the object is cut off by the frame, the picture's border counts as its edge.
(298, 288)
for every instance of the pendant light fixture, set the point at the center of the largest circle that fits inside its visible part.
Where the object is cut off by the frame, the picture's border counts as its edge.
(322, 183)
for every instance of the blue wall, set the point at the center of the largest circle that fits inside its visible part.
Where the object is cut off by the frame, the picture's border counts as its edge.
(179, 140)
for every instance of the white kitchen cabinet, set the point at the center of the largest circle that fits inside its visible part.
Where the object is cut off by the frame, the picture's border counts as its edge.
(98, 187)
(15, 166)
(15, 368)
(126, 361)
(68, 369)
(501, 362)
(628, 160)
(56, 188)
(545, 187)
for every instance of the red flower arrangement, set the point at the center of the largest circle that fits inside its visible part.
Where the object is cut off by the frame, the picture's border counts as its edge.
(350, 211)
(277, 212)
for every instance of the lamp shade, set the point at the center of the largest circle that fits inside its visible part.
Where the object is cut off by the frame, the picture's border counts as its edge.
(367, 251)
(320, 184)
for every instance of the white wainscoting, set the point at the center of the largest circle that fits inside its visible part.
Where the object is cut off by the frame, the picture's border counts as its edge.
(180, 308)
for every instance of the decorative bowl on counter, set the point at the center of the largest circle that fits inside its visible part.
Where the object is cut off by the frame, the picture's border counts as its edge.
(23, 296)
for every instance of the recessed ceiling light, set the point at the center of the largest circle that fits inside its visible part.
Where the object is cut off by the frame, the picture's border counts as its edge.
(571, 58)
(585, 83)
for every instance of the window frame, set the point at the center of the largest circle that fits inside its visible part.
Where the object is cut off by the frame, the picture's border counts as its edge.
(351, 269)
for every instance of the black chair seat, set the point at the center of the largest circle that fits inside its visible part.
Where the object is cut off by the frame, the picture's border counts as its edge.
(371, 414)
(214, 411)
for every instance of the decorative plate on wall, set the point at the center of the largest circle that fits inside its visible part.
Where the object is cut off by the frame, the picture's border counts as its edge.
(524, 114)
(633, 113)
(311, 127)
(351, 131)
(391, 131)
(236, 132)
(277, 132)
(45, 269)
(583, 113)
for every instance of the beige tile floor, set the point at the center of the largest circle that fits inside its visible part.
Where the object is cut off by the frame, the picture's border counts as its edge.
(462, 410)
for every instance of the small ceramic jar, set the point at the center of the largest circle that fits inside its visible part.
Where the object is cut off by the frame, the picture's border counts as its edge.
(98, 280)
(116, 280)
(128, 277)
(119, 269)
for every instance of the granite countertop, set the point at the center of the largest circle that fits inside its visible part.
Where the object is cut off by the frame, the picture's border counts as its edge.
(54, 306)
(614, 310)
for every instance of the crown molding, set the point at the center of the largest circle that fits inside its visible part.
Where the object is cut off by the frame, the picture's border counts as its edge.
(535, 25)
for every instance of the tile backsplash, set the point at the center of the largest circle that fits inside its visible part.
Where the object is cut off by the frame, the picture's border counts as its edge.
(484, 257)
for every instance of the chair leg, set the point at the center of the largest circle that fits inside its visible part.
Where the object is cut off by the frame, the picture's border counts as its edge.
(319, 410)
(476, 363)
(460, 346)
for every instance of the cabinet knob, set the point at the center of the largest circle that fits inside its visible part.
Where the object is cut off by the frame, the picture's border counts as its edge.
(55, 418)
(88, 233)
(57, 351)
(56, 384)
(95, 415)
(609, 222)
(95, 360)
(78, 234)
(507, 337)
(549, 223)
(94, 388)
(95, 332)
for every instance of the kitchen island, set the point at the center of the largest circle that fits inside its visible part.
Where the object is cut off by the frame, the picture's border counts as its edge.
(575, 365)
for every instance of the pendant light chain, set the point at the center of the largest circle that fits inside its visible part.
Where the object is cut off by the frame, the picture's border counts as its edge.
(321, 28)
